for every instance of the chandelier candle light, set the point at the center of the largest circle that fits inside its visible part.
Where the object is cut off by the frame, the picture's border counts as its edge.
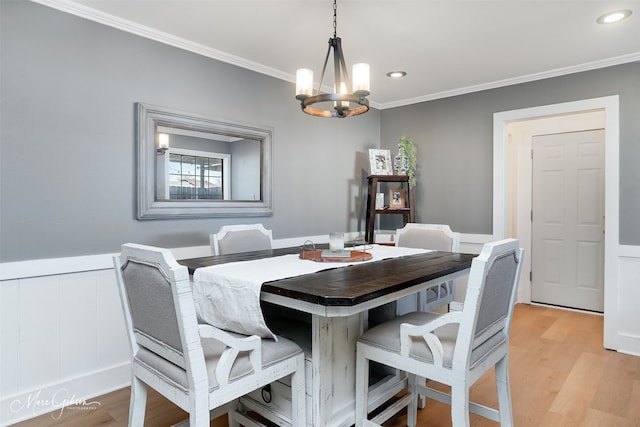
(342, 102)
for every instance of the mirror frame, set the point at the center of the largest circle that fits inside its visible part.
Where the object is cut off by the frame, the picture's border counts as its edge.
(148, 118)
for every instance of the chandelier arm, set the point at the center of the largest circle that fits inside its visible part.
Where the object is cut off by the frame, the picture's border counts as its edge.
(324, 68)
(336, 65)
(343, 64)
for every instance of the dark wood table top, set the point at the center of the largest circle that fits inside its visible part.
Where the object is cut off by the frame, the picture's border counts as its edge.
(350, 285)
(195, 263)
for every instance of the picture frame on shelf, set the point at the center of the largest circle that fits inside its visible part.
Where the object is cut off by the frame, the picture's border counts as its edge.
(379, 201)
(397, 198)
(380, 162)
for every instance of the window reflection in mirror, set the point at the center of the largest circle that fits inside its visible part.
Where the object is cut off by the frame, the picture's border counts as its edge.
(194, 175)
(202, 166)
(192, 166)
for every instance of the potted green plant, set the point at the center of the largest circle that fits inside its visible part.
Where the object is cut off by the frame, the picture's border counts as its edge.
(405, 161)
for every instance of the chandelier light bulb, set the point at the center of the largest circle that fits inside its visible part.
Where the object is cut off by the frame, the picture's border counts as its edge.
(360, 72)
(304, 83)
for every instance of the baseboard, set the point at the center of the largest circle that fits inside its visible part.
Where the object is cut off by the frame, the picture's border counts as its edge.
(77, 394)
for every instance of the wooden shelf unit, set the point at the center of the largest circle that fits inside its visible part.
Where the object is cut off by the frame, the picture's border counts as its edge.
(408, 212)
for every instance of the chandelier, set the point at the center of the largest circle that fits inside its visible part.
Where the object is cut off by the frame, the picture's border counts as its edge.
(343, 102)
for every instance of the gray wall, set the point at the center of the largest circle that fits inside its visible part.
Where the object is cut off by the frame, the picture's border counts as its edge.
(67, 153)
(67, 162)
(454, 139)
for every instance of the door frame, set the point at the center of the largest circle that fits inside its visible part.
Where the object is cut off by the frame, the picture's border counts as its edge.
(610, 106)
(519, 195)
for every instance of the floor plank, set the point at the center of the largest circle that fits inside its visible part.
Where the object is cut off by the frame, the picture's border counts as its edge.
(561, 376)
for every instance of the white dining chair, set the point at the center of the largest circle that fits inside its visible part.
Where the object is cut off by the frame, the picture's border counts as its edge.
(455, 348)
(437, 237)
(232, 239)
(202, 369)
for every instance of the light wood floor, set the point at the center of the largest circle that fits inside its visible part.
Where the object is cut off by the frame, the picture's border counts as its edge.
(560, 376)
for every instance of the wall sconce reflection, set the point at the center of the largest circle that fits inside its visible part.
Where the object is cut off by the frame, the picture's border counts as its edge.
(163, 143)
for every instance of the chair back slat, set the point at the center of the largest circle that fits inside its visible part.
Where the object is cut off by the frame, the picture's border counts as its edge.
(426, 239)
(497, 294)
(437, 237)
(149, 293)
(243, 241)
(488, 305)
(237, 238)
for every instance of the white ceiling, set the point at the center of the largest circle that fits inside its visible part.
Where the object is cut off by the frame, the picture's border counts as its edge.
(446, 47)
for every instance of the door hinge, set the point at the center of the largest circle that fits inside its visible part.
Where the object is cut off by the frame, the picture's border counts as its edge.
(531, 276)
(532, 154)
(532, 215)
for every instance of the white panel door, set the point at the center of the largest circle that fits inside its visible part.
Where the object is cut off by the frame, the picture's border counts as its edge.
(567, 247)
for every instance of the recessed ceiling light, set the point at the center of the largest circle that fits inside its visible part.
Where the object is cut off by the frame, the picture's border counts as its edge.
(396, 74)
(616, 16)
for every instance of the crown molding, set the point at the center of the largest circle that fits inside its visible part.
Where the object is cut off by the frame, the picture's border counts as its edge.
(122, 24)
(82, 11)
(609, 62)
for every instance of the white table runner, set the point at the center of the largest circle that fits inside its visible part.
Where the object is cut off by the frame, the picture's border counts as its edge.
(228, 295)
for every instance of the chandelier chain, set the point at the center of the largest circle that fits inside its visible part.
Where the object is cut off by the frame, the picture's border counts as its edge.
(335, 19)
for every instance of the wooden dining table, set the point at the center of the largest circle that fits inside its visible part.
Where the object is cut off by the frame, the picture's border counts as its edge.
(333, 306)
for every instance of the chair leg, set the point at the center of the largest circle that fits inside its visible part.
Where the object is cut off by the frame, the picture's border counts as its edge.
(199, 415)
(504, 392)
(362, 388)
(232, 419)
(422, 400)
(137, 402)
(460, 405)
(412, 408)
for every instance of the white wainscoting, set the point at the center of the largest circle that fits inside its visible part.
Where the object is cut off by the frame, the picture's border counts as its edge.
(62, 336)
(622, 327)
(63, 339)
(62, 333)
